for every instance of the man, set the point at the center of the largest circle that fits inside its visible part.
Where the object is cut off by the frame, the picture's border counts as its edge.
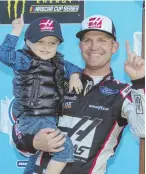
(96, 118)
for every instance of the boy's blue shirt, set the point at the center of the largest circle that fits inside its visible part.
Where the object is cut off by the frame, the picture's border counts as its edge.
(18, 61)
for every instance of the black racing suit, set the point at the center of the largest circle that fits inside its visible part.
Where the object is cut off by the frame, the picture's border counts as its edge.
(95, 121)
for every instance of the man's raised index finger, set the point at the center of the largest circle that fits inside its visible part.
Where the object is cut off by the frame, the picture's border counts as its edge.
(128, 49)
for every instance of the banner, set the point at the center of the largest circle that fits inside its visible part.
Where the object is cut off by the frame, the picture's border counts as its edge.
(64, 11)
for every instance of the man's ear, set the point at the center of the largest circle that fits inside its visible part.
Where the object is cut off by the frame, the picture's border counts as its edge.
(115, 47)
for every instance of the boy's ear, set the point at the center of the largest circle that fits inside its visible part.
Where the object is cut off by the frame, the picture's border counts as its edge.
(58, 42)
(27, 43)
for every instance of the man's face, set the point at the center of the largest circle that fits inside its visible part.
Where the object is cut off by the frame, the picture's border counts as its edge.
(45, 48)
(97, 48)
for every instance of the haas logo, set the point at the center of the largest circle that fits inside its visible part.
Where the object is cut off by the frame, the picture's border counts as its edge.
(95, 23)
(46, 25)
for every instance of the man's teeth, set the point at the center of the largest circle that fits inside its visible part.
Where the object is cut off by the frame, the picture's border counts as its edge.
(95, 54)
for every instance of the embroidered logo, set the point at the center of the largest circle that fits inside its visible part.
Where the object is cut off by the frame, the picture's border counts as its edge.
(46, 25)
(108, 91)
(95, 23)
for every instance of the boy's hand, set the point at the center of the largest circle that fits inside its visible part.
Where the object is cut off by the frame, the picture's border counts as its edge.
(17, 26)
(75, 83)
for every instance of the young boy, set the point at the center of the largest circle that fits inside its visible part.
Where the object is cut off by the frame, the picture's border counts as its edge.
(38, 83)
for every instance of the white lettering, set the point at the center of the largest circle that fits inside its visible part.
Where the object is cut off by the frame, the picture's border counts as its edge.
(71, 8)
(99, 107)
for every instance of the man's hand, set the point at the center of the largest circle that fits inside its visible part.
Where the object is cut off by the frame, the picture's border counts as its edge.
(17, 26)
(75, 83)
(49, 140)
(134, 65)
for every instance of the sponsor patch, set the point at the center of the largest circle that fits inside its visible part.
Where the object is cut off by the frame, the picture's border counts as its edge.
(21, 164)
(67, 105)
(70, 97)
(138, 104)
(125, 91)
(99, 107)
(108, 91)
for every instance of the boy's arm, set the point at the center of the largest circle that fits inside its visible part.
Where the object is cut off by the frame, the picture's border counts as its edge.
(72, 72)
(70, 69)
(7, 50)
(8, 55)
(17, 26)
(12, 58)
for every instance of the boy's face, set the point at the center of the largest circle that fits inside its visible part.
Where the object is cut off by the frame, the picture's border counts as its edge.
(45, 48)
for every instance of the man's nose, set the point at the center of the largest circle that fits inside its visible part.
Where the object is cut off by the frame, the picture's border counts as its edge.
(95, 45)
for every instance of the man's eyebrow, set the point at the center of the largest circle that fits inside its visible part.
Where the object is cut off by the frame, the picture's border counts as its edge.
(109, 36)
(105, 37)
(102, 37)
(84, 37)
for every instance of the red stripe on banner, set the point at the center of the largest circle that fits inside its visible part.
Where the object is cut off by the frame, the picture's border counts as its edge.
(94, 162)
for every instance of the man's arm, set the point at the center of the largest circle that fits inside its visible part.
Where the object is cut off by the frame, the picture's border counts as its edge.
(134, 108)
(47, 140)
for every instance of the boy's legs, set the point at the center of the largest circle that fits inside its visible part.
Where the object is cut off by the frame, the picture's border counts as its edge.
(60, 159)
(55, 167)
(29, 169)
(31, 125)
